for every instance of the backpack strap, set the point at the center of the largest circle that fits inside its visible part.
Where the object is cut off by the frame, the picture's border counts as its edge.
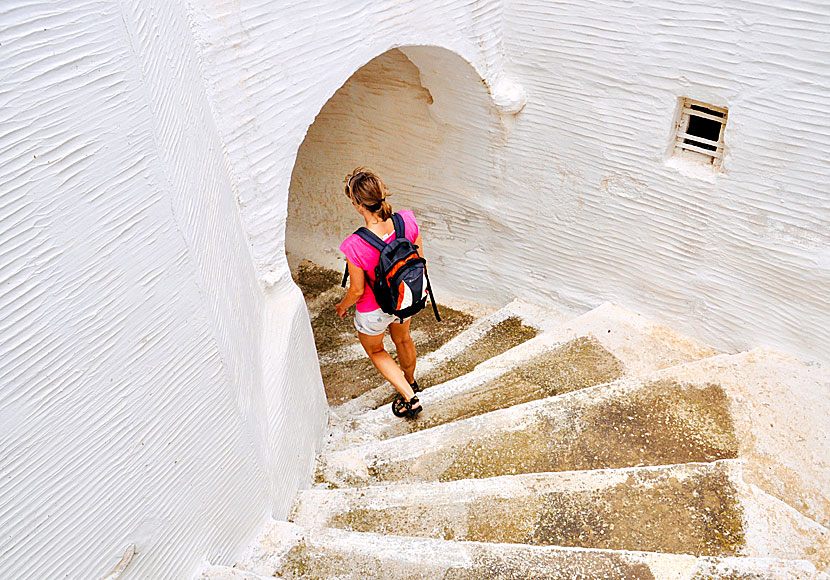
(400, 227)
(374, 240)
(371, 238)
(432, 297)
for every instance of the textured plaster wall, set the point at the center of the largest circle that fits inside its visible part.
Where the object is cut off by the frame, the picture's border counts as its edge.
(270, 68)
(576, 199)
(159, 383)
(739, 260)
(149, 393)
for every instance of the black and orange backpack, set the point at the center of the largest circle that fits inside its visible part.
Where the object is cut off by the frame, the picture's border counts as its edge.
(401, 283)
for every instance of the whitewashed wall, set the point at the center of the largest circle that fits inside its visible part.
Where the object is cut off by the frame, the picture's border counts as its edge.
(159, 384)
(740, 261)
(575, 200)
(149, 393)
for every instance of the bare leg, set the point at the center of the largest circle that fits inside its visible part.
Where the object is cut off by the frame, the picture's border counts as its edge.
(373, 345)
(406, 349)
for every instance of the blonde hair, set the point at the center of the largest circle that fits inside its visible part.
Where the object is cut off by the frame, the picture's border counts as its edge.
(366, 188)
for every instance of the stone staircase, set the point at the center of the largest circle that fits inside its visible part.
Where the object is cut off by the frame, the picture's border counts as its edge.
(597, 447)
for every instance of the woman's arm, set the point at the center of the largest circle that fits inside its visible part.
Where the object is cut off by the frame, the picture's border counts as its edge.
(420, 246)
(357, 282)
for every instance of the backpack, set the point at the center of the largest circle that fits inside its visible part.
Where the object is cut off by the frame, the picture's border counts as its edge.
(401, 282)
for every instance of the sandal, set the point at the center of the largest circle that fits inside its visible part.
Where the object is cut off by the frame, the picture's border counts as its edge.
(403, 408)
(415, 387)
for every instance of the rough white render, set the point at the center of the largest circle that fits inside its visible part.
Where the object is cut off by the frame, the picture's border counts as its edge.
(151, 394)
(159, 383)
(577, 199)
(741, 261)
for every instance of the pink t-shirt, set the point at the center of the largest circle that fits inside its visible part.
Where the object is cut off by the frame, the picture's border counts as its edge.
(361, 254)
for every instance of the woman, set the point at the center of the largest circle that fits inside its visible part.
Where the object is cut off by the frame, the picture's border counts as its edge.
(368, 196)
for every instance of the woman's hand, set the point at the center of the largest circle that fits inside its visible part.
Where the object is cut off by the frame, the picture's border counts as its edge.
(341, 310)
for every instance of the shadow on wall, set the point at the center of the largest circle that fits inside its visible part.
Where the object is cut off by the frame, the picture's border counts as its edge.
(424, 120)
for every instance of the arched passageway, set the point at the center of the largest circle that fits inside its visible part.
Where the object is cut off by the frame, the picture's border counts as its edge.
(424, 120)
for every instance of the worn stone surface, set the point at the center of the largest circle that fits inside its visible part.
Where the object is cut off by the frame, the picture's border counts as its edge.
(676, 509)
(518, 566)
(661, 424)
(331, 554)
(331, 331)
(225, 573)
(346, 380)
(429, 335)
(506, 334)
(699, 515)
(304, 562)
(313, 280)
(580, 363)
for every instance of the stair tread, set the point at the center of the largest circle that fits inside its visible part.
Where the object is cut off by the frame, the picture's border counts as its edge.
(691, 508)
(288, 551)
(487, 337)
(697, 508)
(228, 573)
(629, 422)
(597, 347)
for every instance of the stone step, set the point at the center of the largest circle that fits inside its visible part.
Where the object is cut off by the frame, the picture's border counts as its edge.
(488, 337)
(779, 406)
(597, 347)
(689, 508)
(290, 551)
(631, 422)
(315, 281)
(701, 509)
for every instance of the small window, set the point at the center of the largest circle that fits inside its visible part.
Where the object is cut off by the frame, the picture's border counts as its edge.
(700, 131)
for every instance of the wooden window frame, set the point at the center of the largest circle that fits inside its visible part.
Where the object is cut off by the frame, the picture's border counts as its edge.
(681, 134)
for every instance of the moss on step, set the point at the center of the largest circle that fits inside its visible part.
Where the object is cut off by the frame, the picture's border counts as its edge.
(577, 364)
(313, 280)
(651, 511)
(662, 423)
(503, 336)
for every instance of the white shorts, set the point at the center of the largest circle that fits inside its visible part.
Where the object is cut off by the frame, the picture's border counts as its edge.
(375, 322)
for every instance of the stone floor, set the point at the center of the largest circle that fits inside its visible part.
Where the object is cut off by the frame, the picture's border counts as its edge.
(601, 446)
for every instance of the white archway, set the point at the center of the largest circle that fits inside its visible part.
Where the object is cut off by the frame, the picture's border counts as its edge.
(425, 120)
